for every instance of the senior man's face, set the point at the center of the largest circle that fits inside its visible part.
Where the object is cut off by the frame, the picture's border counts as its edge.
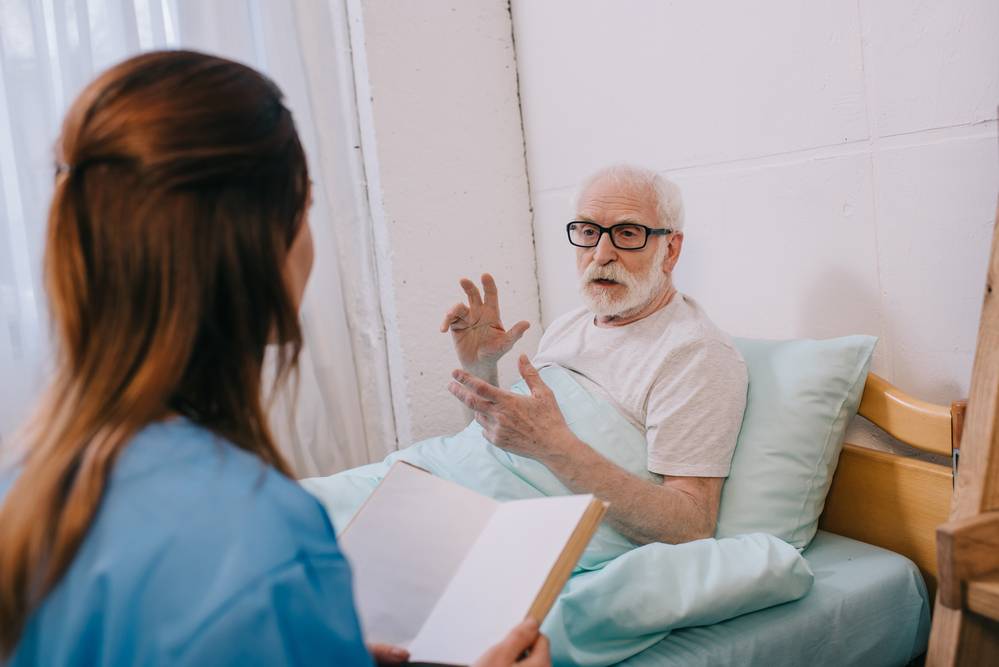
(616, 282)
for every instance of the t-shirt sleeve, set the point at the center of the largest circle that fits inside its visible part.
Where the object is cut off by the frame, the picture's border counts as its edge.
(299, 614)
(695, 409)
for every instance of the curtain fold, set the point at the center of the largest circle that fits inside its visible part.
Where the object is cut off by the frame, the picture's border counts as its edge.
(340, 414)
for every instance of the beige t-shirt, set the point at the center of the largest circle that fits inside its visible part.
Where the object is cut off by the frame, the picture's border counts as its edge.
(674, 375)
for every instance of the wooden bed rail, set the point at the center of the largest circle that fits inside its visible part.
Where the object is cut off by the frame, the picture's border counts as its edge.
(923, 425)
(894, 501)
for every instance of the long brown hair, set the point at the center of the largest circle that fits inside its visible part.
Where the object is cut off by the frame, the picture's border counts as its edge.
(181, 186)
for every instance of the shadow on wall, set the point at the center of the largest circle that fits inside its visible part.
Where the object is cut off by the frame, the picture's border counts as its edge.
(831, 307)
(916, 350)
(839, 304)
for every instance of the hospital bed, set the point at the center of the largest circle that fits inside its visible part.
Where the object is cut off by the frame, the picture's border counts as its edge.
(874, 557)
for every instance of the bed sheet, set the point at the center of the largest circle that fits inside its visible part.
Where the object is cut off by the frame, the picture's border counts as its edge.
(868, 606)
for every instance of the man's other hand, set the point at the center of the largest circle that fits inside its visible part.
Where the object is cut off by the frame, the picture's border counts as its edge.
(531, 426)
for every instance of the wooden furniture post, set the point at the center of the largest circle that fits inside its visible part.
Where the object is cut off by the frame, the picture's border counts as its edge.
(966, 618)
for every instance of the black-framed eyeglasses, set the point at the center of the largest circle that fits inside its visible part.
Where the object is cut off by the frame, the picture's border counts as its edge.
(624, 236)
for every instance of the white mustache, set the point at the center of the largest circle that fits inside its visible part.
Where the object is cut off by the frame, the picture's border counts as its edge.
(613, 272)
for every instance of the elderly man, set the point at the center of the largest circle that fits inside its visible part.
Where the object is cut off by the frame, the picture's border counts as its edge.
(639, 343)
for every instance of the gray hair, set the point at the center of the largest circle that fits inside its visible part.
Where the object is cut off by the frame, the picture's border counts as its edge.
(669, 202)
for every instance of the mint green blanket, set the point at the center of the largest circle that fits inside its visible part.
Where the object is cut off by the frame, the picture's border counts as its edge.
(621, 598)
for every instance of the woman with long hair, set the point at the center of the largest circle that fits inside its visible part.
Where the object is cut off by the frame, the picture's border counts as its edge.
(151, 518)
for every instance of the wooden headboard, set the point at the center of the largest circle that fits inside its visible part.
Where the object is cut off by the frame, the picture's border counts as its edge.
(894, 501)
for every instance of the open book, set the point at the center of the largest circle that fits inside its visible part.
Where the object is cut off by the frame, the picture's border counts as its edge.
(446, 572)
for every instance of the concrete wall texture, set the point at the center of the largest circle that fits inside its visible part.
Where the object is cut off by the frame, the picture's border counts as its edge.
(454, 191)
(838, 160)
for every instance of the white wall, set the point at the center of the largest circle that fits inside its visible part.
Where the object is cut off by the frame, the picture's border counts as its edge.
(838, 160)
(446, 173)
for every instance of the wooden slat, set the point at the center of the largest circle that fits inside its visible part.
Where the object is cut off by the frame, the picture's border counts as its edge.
(966, 549)
(890, 501)
(923, 425)
(959, 637)
(983, 596)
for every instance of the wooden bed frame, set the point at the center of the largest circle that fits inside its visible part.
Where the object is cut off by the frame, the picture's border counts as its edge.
(893, 501)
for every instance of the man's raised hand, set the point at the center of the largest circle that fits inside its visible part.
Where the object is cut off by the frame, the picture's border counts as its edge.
(477, 330)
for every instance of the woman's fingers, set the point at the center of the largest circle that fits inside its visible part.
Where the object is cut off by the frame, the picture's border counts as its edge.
(525, 637)
(386, 654)
(519, 640)
(540, 656)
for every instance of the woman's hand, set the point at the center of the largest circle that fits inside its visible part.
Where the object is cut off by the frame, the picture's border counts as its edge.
(525, 637)
(477, 331)
(386, 654)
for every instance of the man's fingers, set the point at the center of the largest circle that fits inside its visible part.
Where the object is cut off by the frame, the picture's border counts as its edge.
(532, 377)
(478, 386)
(458, 312)
(518, 329)
(518, 640)
(474, 402)
(541, 654)
(474, 297)
(489, 287)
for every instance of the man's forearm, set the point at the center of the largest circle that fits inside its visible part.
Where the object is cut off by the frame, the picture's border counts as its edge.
(641, 510)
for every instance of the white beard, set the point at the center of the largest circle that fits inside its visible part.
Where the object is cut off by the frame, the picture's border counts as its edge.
(639, 290)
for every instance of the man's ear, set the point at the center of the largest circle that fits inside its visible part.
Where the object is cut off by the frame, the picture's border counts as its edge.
(673, 252)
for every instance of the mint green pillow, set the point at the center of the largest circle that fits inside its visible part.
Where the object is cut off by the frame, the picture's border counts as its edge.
(802, 395)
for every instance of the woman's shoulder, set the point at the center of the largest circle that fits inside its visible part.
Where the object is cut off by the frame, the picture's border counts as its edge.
(195, 543)
(199, 507)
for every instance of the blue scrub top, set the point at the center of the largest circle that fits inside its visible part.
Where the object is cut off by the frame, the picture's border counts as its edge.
(200, 554)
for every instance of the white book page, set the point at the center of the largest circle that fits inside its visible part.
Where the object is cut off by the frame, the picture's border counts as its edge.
(404, 546)
(498, 581)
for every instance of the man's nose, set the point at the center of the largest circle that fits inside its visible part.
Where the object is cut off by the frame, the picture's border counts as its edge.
(605, 251)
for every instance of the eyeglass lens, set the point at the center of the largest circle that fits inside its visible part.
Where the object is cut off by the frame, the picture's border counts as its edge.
(623, 236)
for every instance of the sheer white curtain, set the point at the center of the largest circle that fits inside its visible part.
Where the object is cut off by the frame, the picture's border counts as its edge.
(341, 415)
